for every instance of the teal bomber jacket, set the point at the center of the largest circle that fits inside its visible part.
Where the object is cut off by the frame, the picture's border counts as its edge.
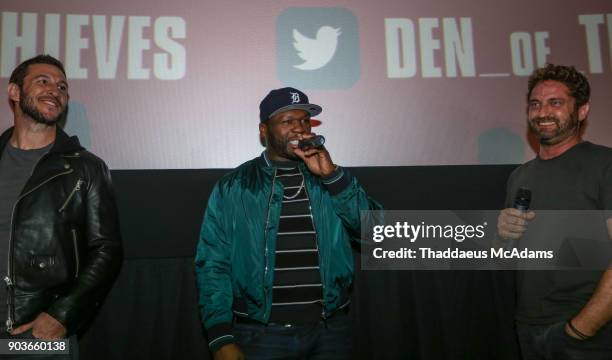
(235, 253)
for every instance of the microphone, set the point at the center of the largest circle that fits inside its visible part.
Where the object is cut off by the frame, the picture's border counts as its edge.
(522, 200)
(313, 142)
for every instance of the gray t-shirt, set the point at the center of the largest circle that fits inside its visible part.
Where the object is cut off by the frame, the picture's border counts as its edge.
(16, 166)
(578, 179)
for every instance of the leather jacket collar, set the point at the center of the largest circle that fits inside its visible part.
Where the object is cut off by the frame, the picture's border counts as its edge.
(63, 146)
(63, 143)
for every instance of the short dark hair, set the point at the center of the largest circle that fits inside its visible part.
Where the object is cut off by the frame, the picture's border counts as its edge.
(21, 70)
(576, 82)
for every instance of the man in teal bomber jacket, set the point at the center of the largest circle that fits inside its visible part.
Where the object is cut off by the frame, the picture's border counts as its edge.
(274, 264)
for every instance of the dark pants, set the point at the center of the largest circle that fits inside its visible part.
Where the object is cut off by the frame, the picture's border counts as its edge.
(550, 342)
(325, 340)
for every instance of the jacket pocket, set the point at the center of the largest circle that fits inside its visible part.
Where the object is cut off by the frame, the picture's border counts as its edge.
(75, 244)
(76, 188)
(42, 262)
(29, 304)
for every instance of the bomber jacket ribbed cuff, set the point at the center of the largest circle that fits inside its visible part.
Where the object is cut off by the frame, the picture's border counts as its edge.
(336, 181)
(219, 335)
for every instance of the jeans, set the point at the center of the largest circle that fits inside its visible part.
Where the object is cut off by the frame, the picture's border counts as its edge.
(325, 340)
(550, 342)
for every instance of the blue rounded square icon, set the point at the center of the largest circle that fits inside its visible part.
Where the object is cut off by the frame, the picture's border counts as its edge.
(318, 48)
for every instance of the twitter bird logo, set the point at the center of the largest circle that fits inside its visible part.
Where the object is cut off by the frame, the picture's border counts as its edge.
(316, 52)
(317, 48)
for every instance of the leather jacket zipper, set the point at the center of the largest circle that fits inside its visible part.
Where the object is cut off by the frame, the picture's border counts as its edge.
(76, 188)
(9, 279)
(266, 242)
(76, 251)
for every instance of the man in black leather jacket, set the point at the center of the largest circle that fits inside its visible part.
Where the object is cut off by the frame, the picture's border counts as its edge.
(59, 229)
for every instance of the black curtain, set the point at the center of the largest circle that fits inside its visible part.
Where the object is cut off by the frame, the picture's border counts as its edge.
(152, 309)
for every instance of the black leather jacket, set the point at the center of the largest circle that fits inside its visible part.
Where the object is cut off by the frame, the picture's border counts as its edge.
(65, 245)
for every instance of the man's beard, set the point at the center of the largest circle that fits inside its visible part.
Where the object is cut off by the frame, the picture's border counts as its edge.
(280, 147)
(26, 104)
(572, 126)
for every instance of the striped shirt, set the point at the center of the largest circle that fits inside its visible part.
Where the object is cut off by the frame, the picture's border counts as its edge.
(297, 290)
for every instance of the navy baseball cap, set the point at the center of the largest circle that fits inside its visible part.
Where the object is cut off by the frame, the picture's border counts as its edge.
(285, 99)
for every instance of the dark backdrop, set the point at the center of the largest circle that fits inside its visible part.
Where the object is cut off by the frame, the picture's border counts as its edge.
(152, 310)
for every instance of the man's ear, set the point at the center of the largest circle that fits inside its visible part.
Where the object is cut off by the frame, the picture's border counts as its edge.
(263, 130)
(13, 92)
(583, 111)
(263, 134)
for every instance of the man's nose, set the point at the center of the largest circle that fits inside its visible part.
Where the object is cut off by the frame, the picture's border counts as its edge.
(298, 126)
(52, 89)
(544, 110)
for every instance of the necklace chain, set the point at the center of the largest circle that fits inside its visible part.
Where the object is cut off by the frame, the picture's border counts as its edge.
(299, 190)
